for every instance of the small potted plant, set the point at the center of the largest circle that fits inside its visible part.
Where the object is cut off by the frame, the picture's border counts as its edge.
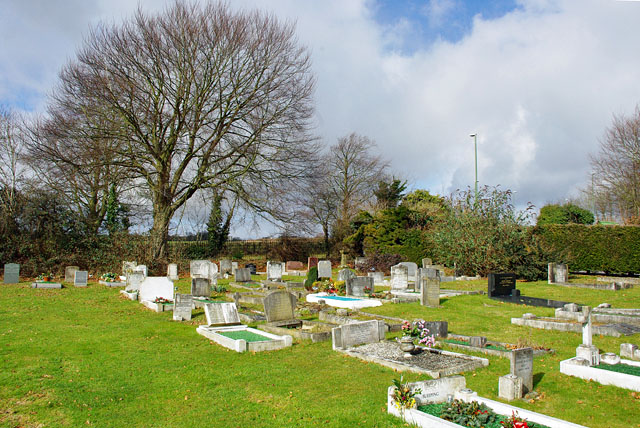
(45, 277)
(415, 333)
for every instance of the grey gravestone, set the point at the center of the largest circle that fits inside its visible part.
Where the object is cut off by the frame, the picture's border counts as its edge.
(346, 274)
(561, 273)
(172, 271)
(477, 341)
(627, 350)
(134, 279)
(225, 266)
(312, 262)
(522, 366)
(252, 268)
(426, 262)
(279, 305)
(378, 277)
(69, 273)
(358, 333)
(200, 287)
(275, 271)
(429, 288)
(234, 266)
(11, 273)
(156, 286)
(182, 307)
(501, 284)
(510, 387)
(359, 261)
(324, 269)
(438, 328)
(399, 277)
(80, 278)
(219, 314)
(243, 275)
(357, 286)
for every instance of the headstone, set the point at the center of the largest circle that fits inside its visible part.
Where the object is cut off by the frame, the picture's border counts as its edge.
(156, 286)
(399, 277)
(236, 298)
(143, 269)
(172, 271)
(627, 350)
(359, 262)
(234, 266)
(412, 270)
(252, 268)
(11, 273)
(199, 268)
(294, 265)
(358, 333)
(501, 284)
(324, 269)
(426, 262)
(345, 274)
(275, 271)
(561, 273)
(279, 305)
(550, 274)
(587, 350)
(80, 278)
(437, 390)
(225, 266)
(438, 328)
(219, 314)
(429, 288)
(69, 273)
(200, 287)
(378, 277)
(312, 262)
(128, 267)
(343, 259)
(134, 279)
(478, 341)
(182, 307)
(357, 286)
(510, 387)
(572, 307)
(522, 366)
(243, 275)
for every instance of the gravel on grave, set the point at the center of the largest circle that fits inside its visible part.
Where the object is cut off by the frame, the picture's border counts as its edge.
(425, 359)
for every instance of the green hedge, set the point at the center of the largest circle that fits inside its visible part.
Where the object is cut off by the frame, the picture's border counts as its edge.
(612, 249)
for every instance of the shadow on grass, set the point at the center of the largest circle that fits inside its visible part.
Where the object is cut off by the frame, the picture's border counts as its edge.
(537, 378)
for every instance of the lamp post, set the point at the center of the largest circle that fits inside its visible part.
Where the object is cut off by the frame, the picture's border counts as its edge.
(475, 146)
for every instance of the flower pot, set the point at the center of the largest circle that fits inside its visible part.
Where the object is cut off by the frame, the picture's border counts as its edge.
(406, 344)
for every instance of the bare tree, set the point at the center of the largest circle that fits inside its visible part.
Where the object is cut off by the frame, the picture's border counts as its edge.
(197, 97)
(616, 167)
(356, 172)
(12, 172)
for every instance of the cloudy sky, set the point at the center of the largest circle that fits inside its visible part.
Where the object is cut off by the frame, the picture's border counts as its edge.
(538, 80)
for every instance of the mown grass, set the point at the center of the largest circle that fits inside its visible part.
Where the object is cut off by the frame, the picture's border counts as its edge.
(86, 356)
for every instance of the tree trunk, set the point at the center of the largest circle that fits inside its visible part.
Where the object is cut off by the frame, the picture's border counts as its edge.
(160, 234)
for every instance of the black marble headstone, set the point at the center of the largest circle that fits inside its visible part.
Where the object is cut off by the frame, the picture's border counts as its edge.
(251, 267)
(501, 284)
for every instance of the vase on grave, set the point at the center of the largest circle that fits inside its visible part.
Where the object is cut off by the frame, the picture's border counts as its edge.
(407, 345)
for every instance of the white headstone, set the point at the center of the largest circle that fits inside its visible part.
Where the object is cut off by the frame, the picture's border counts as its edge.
(275, 271)
(156, 286)
(219, 314)
(412, 270)
(378, 277)
(324, 269)
(143, 269)
(234, 266)
(172, 271)
(399, 277)
(134, 279)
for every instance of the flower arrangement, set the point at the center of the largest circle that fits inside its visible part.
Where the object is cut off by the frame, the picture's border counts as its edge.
(419, 331)
(162, 300)
(109, 277)
(403, 396)
(45, 277)
(514, 421)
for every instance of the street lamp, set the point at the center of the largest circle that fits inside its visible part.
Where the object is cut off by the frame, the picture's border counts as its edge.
(475, 146)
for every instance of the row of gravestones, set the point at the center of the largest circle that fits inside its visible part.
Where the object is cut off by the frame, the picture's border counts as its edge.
(72, 274)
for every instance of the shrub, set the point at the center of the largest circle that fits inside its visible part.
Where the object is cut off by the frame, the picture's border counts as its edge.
(312, 277)
(380, 262)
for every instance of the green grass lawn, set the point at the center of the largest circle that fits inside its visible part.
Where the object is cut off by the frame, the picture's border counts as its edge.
(88, 357)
